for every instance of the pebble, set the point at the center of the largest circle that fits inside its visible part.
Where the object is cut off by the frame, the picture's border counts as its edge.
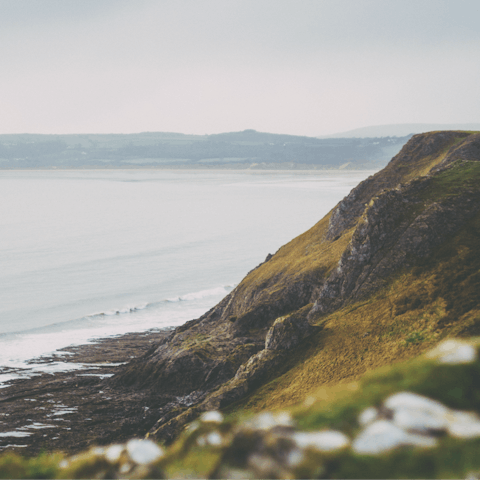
(382, 435)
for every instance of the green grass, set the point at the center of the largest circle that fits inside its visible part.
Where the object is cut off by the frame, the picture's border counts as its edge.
(42, 466)
(420, 306)
(338, 407)
(461, 176)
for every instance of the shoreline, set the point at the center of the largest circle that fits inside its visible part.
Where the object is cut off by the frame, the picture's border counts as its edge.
(71, 410)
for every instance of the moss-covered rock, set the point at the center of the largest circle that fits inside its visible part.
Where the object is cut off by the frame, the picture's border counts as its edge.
(287, 332)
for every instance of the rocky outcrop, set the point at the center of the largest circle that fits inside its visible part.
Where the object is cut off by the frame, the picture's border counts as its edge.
(287, 332)
(397, 227)
(404, 166)
(467, 150)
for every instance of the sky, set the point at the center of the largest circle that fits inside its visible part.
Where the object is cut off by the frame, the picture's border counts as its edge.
(302, 67)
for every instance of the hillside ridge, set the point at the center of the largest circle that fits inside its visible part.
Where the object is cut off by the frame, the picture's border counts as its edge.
(231, 150)
(391, 222)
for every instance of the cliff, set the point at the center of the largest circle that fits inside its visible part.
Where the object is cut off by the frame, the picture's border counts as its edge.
(343, 355)
(399, 248)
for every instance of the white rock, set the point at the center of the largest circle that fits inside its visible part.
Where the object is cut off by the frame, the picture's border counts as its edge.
(97, 451)
(268, 420)
(323, 441)
(283, 419)
(144, 452)
(212, 416)
(413, 401)
(464, 425)
(382, 435)
(125, 468)
(214, 439)
(367, 416)
(294, 458)
(419, 420)
(418, 413)
(113, 453)
(453, 352)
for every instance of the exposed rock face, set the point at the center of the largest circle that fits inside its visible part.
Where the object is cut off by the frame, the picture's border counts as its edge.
(385, 224)
(287, 332)
(397, 224)
(389, 236)
(347, 212)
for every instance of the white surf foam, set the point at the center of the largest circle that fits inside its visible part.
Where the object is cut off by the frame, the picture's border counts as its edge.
(18, 351)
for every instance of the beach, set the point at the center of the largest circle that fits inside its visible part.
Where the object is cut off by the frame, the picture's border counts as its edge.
(70, 410)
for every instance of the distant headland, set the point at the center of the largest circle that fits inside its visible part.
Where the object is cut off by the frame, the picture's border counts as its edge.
(247, 149)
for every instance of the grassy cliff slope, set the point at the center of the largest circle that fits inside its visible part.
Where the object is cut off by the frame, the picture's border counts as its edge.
(391, 270)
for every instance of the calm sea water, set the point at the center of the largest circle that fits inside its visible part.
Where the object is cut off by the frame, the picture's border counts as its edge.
(90, 254)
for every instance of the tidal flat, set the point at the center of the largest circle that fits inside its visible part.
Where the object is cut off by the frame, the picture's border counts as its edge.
(72, 409)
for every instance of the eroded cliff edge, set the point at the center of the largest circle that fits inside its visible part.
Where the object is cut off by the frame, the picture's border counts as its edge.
(394, 223)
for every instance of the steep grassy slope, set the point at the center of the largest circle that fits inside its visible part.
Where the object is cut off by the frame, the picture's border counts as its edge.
(437, 298)
(333, 323)
(391, 270)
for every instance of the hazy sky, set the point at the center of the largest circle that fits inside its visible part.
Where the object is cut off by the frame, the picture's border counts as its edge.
(307, 67)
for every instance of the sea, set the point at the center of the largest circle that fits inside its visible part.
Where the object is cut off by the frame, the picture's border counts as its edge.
(89, 254)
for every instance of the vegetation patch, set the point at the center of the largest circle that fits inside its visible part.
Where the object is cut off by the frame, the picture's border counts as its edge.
(437, 298)
(461, 175)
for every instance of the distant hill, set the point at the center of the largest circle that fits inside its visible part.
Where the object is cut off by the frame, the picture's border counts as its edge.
(402, 129)
(233, 150)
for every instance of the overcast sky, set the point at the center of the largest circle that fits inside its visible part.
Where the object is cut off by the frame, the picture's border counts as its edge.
(306, 67)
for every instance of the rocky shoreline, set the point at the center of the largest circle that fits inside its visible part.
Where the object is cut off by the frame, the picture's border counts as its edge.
(72, 409)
